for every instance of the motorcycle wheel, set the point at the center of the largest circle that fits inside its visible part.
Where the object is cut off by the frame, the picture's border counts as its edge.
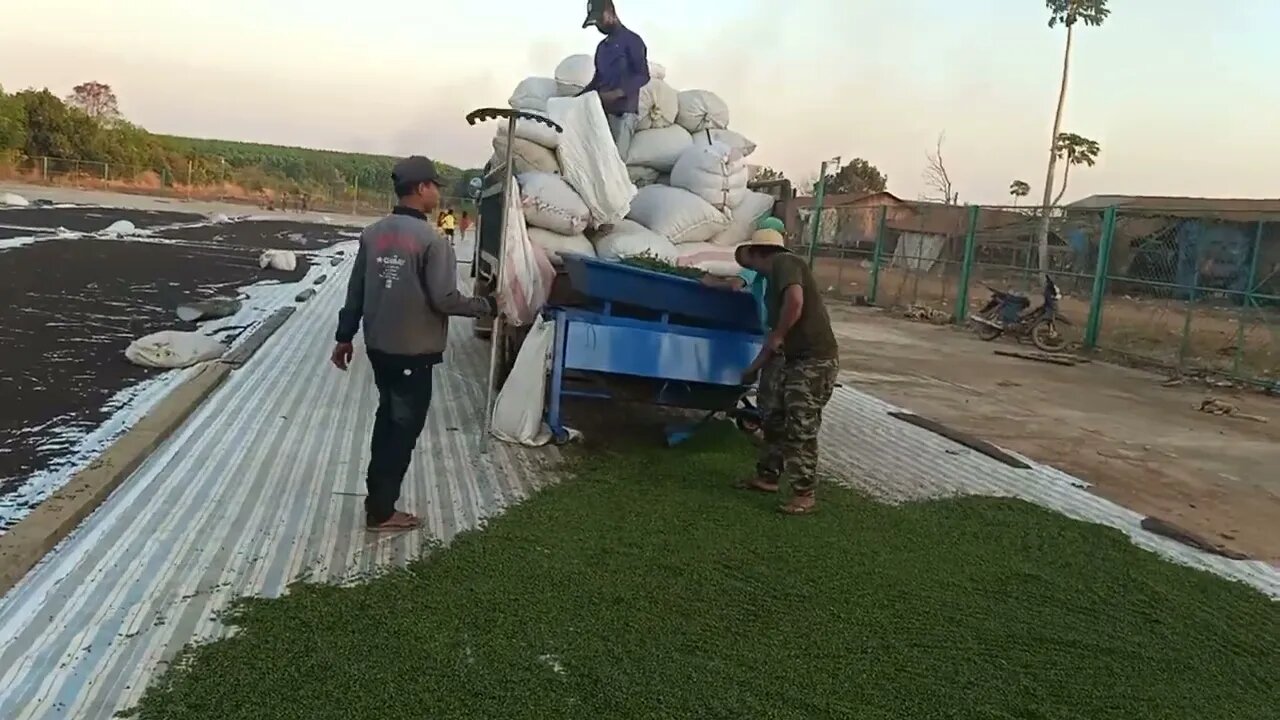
(984, 331)
(1045, 336)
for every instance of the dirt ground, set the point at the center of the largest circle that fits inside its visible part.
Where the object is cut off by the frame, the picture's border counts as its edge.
(1140, 444)
(69, 307)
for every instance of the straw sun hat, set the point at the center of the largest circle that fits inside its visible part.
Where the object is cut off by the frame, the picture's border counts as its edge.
(766, 238)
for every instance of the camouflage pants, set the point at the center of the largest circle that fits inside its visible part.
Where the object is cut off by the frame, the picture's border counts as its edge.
(792, 406)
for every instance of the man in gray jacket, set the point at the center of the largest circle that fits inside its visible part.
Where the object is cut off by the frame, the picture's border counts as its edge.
(405, 287)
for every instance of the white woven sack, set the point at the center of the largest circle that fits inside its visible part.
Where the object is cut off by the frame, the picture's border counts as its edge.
(702, 109)
(533, 131)
(732, 138)
(550, 204)
(743, 219)
(282, 260)
(716, 173)
(573, 74)
(659, 149)
(642, 176)
(629, 239)
(678, 215)
(557, 246)
(712, 259)
(657, 71)
(526, 156)
(532, 93)
(659, 105)
(173, 349)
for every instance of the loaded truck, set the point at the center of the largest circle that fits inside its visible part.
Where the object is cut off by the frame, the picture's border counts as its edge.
(484, 260)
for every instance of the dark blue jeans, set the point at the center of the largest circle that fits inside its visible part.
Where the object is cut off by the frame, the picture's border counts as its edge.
(404, 396)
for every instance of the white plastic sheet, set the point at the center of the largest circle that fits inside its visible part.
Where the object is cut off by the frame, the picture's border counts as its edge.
(589, 159)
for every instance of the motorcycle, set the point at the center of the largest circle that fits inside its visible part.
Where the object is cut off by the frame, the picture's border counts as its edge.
(1006, 313)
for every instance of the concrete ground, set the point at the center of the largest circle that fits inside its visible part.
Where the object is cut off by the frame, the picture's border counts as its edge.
(1140, 444)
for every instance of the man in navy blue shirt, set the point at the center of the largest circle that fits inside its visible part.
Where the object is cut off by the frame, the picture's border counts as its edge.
(622, 68)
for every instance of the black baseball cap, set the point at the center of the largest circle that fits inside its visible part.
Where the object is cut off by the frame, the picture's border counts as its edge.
(595, 12)
(413, 170)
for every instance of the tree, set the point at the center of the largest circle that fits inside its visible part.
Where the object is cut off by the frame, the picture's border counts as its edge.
(1066, 13)
(859, 177)
(96, 99)
(936, 177)
(1075, 150)
(766, 173)
(13, 123)
(1019, 189)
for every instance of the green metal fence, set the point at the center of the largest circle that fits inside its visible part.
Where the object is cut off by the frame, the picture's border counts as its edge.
(1187, 290)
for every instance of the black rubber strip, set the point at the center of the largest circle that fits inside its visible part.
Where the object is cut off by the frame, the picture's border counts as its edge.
(241, 353)
(964, 439)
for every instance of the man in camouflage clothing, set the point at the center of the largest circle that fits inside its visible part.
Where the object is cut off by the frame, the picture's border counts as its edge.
(803, 350)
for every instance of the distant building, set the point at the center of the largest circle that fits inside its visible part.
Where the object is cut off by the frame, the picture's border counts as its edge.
(1216, 244)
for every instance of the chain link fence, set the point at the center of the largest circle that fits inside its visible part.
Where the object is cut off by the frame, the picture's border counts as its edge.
(1187, 290)
(200, 181)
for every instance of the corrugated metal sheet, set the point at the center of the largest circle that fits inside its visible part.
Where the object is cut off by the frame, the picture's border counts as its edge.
(262, 485)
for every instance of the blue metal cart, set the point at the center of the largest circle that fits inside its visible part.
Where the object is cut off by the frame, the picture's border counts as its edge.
(669, 340)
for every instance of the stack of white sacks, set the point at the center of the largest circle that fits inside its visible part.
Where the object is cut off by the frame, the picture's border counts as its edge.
(692, 207)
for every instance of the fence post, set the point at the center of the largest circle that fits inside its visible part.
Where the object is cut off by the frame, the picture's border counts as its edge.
(1248, 295)
(1193, 294)
(1102, 268)
(355, 197)
(44, 168)
(877, 254)
(819, 196)
(966, 266)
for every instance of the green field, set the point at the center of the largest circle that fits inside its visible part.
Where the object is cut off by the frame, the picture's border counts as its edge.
(646, 587)
(307, 167)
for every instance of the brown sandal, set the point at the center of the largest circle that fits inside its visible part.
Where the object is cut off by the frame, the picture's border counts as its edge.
(397, 522)
(799, 505)
(758, 484)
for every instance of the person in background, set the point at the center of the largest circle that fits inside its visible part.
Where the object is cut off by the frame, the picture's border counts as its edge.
(403, 289)
(464, 224)
(801, 340)
(449, 224)
(622, 69)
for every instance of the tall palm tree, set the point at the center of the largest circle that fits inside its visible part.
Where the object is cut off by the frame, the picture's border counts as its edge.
(1075, 150)
(1063, 12)
(1019, 189)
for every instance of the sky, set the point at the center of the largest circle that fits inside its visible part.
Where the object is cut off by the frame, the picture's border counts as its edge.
(1179, 93)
